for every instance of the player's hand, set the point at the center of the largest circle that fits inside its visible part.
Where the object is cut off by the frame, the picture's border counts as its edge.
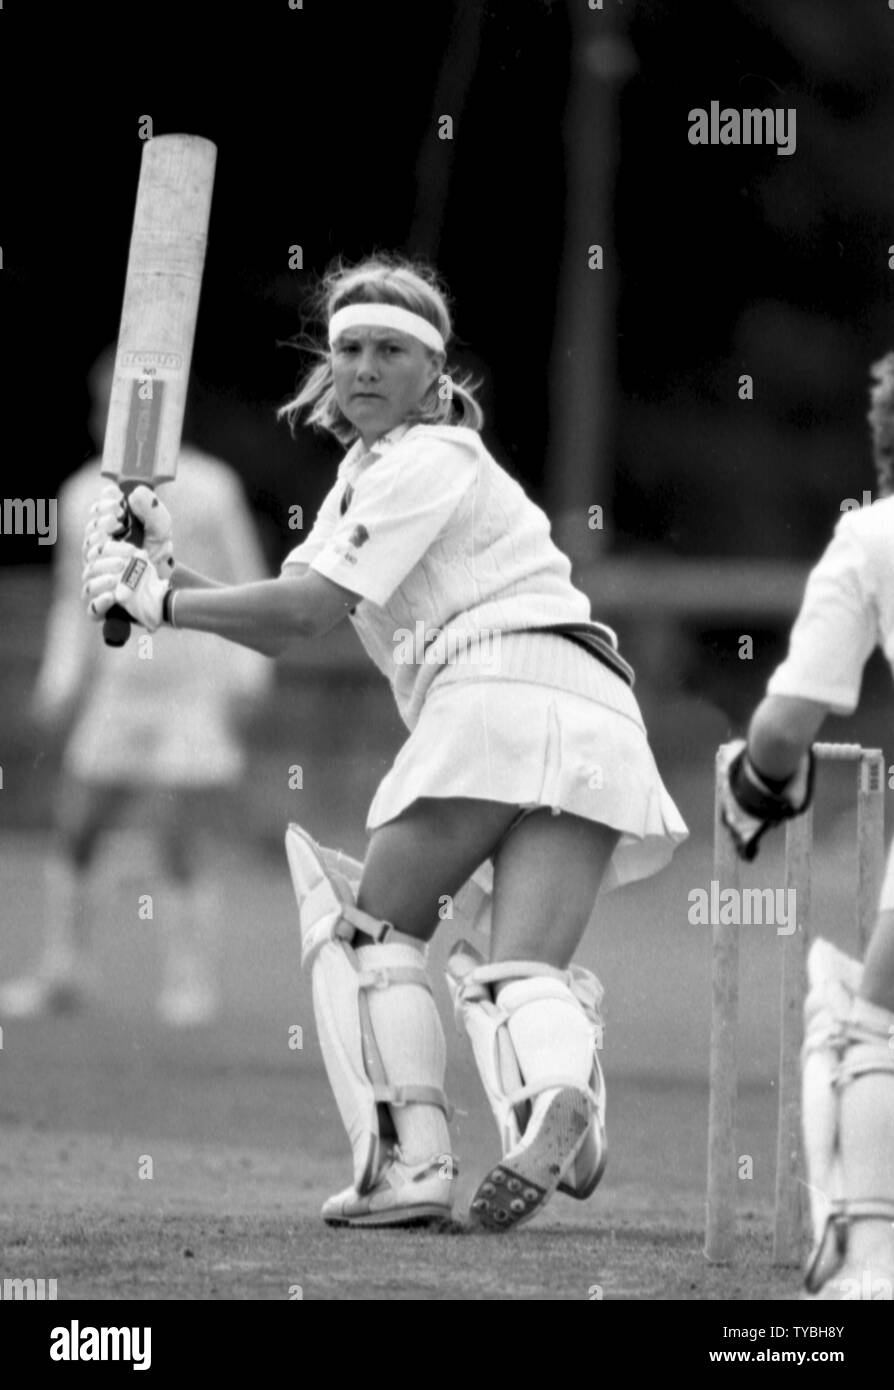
(108, 520)
(121, 573)
(157, 531)
(748, 807)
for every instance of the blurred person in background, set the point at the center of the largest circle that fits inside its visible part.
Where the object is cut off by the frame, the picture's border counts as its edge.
(148, 736)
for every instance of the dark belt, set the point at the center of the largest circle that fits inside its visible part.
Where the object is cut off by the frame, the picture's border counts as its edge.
(594, 643)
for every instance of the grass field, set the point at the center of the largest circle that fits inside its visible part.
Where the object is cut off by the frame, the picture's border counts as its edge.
(245, 1142)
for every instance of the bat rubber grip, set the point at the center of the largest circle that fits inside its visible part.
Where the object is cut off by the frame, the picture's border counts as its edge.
(117, 624)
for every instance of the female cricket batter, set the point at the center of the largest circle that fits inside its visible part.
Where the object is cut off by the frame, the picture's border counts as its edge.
(848, 1059)
(527, 748)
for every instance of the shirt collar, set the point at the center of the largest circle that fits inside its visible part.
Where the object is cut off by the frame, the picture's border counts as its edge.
(381, 446)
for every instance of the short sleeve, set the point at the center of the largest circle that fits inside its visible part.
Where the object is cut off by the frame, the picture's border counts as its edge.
(400, 505)
(835, 630)
(326, 521)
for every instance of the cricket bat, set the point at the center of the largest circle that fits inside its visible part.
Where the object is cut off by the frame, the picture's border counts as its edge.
(158, 319)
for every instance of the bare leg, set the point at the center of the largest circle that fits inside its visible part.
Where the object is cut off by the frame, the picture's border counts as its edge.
(188, 909)
(84, 812)
(425, 854)
(546, 878)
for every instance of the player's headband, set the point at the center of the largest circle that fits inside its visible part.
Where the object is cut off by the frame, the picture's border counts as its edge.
(385, 316)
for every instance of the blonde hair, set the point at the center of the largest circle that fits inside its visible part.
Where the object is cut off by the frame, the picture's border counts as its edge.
(881, 422)
(381, 279)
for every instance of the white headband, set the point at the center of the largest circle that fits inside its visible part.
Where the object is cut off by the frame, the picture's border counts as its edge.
(385, 316)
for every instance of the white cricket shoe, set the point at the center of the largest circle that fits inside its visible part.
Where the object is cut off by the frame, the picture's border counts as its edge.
(583, 1174)
(526, 1177)
(419, 1195)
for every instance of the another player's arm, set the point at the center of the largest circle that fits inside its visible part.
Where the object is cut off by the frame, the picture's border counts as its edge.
(770, 777)
(782, 729)
(832, 638)
(269, 615)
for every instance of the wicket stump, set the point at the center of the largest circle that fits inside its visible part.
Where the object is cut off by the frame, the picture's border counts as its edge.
(790, 1205)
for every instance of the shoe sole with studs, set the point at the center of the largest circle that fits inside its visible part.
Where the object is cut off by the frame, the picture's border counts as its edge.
(515, 1189)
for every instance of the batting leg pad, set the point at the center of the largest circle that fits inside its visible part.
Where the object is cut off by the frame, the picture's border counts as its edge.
(379, 1031)
(848, 1122)
(538, 1034)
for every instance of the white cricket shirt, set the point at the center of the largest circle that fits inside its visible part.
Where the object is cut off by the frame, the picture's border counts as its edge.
(436, 533)
(848, 610)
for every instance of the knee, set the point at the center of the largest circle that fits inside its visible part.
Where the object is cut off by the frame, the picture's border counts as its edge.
(408, 916)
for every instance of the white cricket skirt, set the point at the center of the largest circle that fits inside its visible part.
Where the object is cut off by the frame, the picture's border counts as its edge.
(531, 743)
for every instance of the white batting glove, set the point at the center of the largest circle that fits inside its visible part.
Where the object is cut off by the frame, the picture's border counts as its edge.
(108, 519)
(105, 519)
(749, 807)
(121, 573)
(745, 829)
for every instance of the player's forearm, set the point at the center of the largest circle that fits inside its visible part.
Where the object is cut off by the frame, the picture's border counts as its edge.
(781, 731)
(265, 616)
(184, 578)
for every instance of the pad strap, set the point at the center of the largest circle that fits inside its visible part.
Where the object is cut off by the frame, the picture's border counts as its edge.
(549, 1083)
(583, 983)
(350, 920)
(413, 1095)
(383, 1093)
(375, 927)
(865, 1208)
(851, 1071)
(841, 1214)
(386, 975)
(515, 970)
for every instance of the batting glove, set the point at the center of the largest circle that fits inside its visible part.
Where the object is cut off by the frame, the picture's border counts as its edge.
(109, 519)
(121, 573)
(748, 807)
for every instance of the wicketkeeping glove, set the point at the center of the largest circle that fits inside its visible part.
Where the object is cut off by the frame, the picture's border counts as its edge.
(749, 807)
(120, 573)
(108, 520)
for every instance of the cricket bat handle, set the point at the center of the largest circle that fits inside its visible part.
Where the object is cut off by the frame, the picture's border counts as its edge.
(116, 628)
